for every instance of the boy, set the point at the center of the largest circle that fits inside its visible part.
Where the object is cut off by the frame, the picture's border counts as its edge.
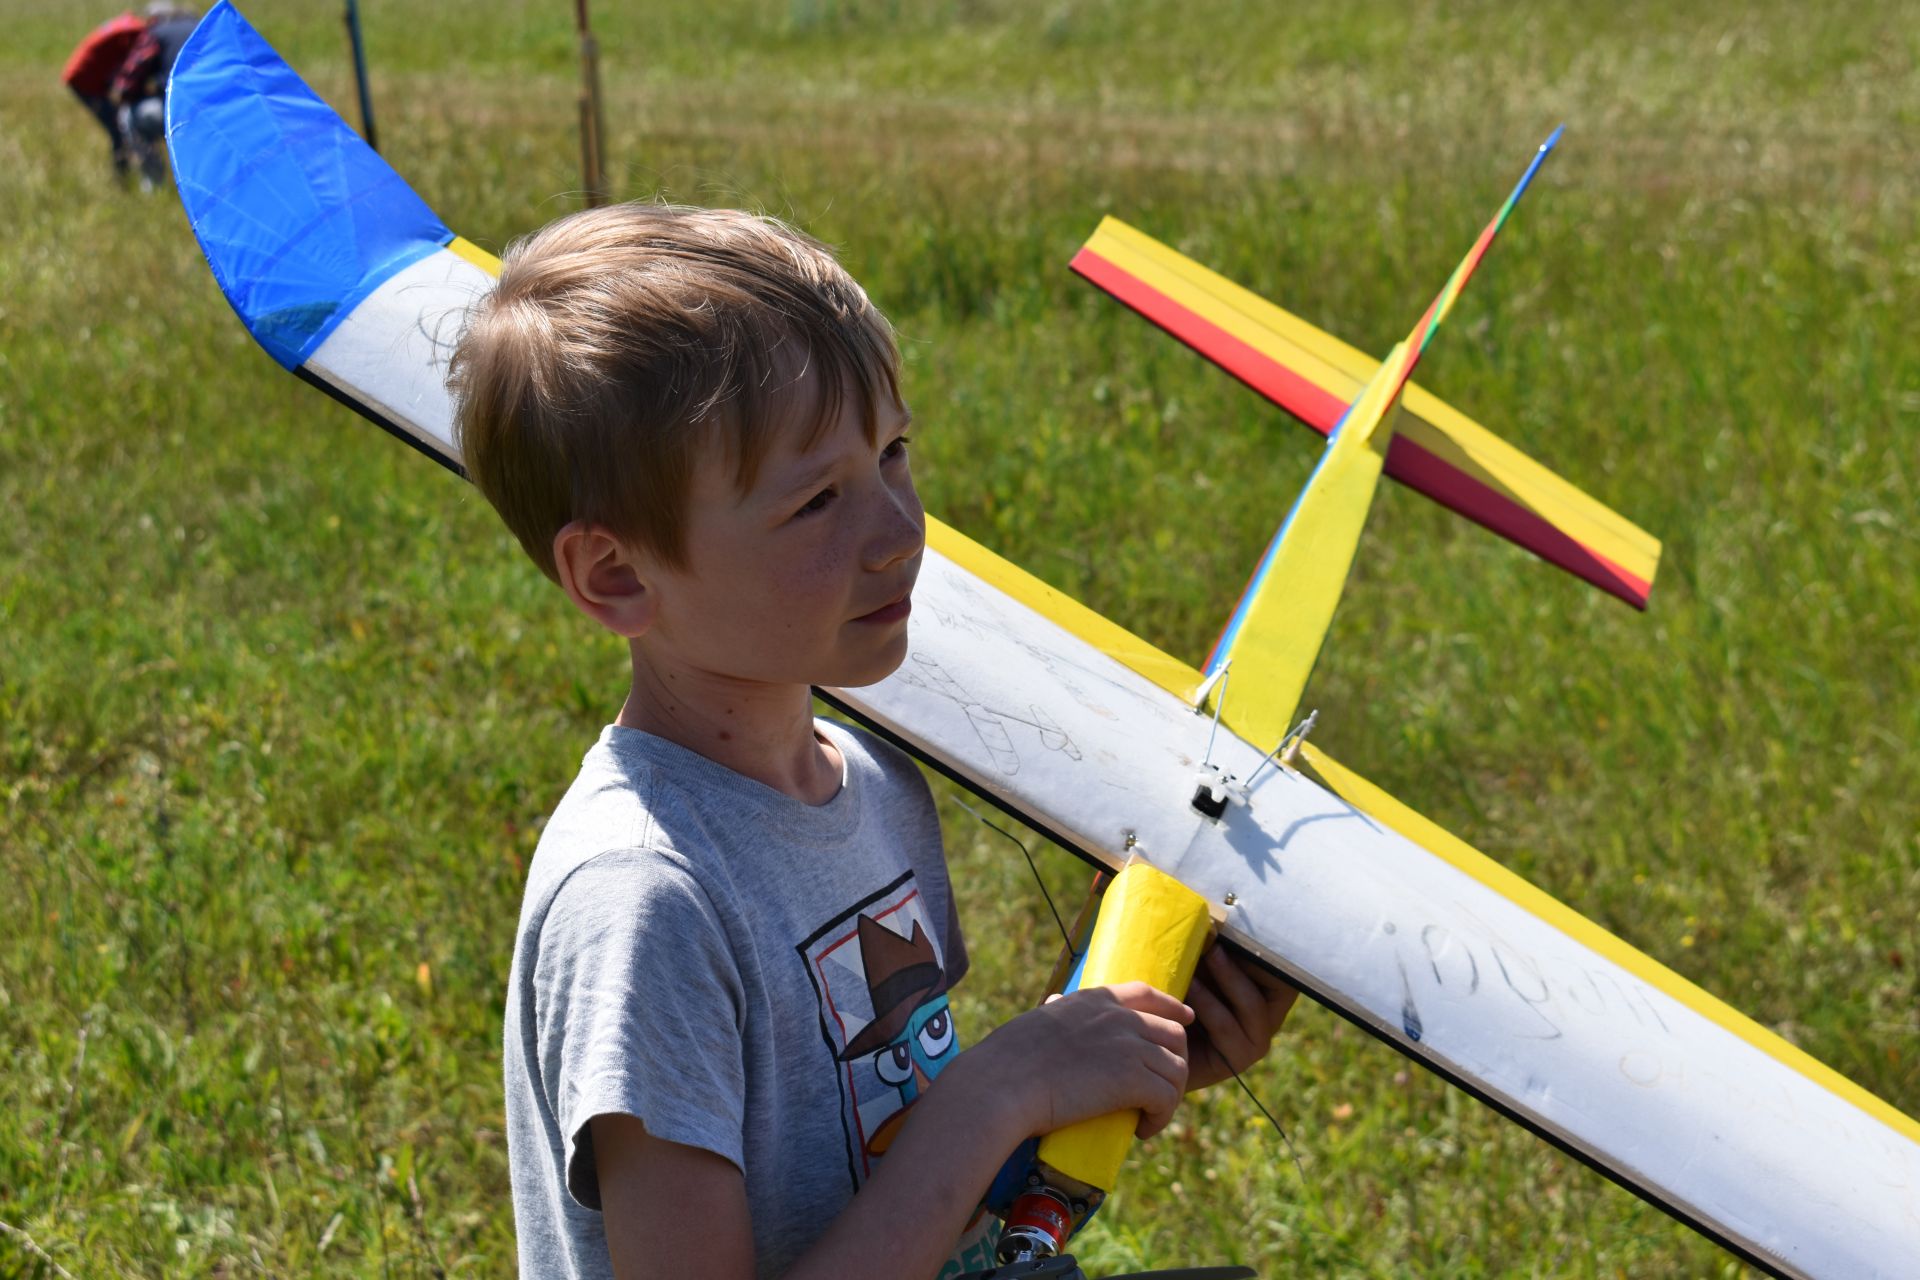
(729, 983)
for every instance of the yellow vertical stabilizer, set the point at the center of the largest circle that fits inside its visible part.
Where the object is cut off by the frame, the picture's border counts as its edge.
(1276, 633)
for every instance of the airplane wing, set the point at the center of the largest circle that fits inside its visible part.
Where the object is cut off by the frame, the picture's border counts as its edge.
(1315, 376)
(1035, 703)
(1084, 731)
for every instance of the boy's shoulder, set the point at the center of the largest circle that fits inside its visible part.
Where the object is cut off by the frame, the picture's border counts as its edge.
(644, 812)
(645, 787)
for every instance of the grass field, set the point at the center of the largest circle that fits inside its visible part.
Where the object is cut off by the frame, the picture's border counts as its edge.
(282, 708)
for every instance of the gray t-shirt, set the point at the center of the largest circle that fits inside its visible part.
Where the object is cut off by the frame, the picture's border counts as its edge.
(744, 972)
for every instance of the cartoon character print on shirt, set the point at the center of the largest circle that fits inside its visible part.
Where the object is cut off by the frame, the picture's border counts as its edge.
(882, 985)
(911, 1036)
(881, 980)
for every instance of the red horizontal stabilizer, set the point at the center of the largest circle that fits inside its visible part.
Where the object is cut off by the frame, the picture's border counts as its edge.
(1420, 459)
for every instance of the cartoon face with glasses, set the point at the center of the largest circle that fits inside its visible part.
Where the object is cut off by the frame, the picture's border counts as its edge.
(911, 1037)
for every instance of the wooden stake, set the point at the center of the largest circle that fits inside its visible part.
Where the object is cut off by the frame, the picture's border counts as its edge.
(360, 74)
(593, 124)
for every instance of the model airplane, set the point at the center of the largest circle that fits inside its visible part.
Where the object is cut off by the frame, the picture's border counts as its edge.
(1116, 749)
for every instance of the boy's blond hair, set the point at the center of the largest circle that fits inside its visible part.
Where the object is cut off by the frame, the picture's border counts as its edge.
(623, 343)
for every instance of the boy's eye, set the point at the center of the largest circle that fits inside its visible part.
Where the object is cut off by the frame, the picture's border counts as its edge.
(897, 447)
(817, 503)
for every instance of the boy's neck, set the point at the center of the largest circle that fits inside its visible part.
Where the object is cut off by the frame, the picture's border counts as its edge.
(762, 731)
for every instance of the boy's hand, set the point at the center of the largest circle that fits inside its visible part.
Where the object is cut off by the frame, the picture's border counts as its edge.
(1238, 1007)
(1096, 1051)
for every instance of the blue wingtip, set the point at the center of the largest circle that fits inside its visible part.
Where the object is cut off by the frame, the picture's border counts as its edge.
(298, 217)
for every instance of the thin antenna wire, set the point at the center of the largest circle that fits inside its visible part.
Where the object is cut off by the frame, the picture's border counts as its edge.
(1291, 1151)
(1031, 866)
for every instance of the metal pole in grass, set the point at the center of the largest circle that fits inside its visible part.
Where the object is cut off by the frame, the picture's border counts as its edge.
(593, 122)
(360, 74)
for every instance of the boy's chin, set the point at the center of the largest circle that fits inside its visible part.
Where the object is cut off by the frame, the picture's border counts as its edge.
(873, 670)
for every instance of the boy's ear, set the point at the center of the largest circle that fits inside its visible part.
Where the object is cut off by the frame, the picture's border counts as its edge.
(604, 578)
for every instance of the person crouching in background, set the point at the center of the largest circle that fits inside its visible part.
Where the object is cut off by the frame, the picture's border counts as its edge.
(90, 73)
(139, 88)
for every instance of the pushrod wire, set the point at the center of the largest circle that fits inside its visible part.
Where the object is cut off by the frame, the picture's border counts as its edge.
(1219, 705)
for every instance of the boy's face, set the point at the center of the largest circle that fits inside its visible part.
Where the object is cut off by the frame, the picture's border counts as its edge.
(805, 578)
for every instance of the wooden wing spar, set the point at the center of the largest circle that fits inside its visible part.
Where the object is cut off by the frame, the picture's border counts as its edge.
(1089, 733)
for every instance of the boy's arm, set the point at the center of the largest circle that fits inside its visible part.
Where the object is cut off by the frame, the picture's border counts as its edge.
(673, 1210)
(669, 1209)
(679, 1211)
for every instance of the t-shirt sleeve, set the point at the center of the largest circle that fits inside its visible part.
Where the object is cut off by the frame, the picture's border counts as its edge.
(638, 1010)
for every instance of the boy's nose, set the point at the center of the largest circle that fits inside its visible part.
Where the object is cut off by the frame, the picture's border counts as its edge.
(901, 531)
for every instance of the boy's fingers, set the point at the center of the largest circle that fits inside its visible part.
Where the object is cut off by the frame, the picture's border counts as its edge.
(1277, 994)
(1272, 984)
(1171, 1068)
(1223, 1029)
(1152, 1122)
(1142, 998)
(1233, 985)
(1266, 980)
(1166, 1034)
(1161, 1095)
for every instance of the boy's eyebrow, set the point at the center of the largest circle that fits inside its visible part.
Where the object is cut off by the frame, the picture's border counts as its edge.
(812, 476)
(808, 479)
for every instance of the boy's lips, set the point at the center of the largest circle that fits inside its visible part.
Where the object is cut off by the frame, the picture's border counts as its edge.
(892, 611)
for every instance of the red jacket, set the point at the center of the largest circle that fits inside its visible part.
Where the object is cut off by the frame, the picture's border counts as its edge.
(91, 67)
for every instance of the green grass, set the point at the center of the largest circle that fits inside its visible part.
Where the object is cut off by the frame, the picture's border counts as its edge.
(281, 707)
